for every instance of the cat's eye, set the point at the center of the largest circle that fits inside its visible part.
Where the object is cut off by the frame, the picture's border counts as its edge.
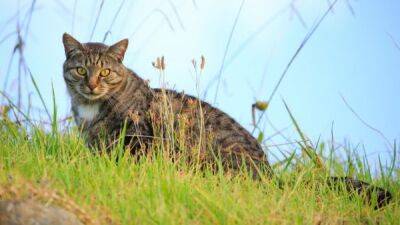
(105, 72)
(81, 71)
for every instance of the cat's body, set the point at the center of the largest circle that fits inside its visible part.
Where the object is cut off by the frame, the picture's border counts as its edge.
(138, 107)
(108, 98)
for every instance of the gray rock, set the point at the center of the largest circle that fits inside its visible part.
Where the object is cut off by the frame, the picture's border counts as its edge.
(28, 212)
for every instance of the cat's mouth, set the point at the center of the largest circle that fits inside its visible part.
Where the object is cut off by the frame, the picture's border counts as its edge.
(91, 94)
(92, 97)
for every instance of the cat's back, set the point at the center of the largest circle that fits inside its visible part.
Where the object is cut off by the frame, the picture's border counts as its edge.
(228, 136)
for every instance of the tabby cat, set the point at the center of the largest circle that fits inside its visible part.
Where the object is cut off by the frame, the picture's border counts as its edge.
(107, 98)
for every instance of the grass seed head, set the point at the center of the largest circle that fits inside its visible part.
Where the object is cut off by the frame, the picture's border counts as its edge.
(159, 63)
(202, 62)
(261, 105)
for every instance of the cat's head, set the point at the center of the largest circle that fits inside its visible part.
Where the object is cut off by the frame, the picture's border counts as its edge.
(93, 71)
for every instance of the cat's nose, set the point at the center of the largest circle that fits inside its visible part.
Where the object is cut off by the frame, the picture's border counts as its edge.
(92, 84)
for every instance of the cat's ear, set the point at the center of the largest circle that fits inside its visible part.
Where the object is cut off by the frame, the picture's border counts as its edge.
(71, 45)
(118, 49)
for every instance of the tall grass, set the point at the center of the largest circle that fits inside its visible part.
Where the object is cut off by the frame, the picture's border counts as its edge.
(117, 189)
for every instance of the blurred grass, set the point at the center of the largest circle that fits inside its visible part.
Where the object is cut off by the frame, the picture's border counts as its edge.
(156, 190)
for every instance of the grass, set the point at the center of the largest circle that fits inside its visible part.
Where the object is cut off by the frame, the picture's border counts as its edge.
(155, 190)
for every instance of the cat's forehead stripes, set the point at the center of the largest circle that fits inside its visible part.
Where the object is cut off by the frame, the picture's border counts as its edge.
(101, 60)
(93, 53)
(94, 59)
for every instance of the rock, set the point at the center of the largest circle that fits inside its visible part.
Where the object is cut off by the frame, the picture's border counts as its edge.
(29, 212)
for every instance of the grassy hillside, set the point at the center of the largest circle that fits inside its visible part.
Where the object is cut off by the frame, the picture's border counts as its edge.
(59, 169)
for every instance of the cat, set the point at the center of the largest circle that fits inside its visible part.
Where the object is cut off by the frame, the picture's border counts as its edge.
(107, 97)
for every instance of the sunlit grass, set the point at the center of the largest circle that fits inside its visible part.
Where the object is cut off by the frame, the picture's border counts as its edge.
(155, 190)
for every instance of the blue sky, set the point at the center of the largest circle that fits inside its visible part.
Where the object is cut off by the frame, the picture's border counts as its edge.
(349, 55)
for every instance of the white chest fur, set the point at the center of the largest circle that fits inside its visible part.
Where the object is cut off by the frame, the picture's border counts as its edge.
(88, 112)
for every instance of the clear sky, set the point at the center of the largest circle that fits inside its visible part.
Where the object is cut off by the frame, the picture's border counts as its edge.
(351, 54)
